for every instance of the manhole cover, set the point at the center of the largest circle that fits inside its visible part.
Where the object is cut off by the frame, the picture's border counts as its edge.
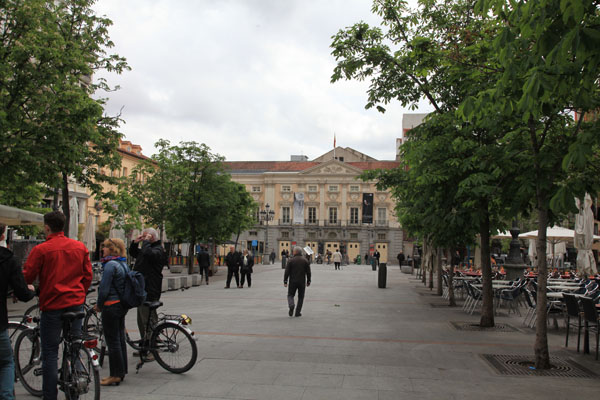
(472, 326)
(524, 365)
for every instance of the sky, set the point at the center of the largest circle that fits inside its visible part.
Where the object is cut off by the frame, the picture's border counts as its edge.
(249, 78)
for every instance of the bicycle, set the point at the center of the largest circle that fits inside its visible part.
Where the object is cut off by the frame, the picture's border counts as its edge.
(78, 375)
(170, 342)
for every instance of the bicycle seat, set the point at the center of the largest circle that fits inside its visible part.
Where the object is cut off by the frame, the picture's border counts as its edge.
(153, 305)
(72, 316)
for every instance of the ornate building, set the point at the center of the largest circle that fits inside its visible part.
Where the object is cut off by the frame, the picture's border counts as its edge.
(321, 204)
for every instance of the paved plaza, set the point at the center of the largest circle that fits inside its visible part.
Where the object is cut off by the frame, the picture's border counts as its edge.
(353, 341)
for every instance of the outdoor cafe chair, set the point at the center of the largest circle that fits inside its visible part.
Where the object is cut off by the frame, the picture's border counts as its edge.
(573, 311)
(529, 319)
(591, 318)
(510, 297)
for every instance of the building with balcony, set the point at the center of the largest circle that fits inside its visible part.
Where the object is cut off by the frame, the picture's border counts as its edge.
(321, 204)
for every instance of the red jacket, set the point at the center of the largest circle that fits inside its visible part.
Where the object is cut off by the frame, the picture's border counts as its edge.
(64, 270)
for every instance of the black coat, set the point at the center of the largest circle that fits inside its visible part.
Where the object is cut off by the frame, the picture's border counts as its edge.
(11, 277)
(203, 259)
(149, 261)
(233, 260)
(248, 267)
(297, 271)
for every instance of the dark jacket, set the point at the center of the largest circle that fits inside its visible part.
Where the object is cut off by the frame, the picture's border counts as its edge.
(149, 261)
(297, 271)
(203, 259)
(233, 260)
(250, 263)
(11, 277)
(113, 282)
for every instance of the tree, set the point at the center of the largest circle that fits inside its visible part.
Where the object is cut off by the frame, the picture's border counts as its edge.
(51, 127)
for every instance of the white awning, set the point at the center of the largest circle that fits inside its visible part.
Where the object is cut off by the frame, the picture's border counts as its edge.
(16, 216)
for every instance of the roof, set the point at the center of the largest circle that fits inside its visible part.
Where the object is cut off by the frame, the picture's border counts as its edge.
(241, 167)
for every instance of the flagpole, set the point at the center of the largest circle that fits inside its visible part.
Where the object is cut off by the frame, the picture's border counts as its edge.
(334, 145)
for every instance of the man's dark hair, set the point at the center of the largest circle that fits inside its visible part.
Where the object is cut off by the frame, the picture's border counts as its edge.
(2, 229)
(55, 220)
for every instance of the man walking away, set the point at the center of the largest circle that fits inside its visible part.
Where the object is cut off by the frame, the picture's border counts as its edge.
(232, 260)
(272, 257)
(149, 261)
(400, 258)
(65, 274)
(246, 264)
(337, 259)
(203, 263)
(298, 273)
(10, 276)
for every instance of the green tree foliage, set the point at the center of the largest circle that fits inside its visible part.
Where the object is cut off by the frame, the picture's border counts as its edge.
(52, 128)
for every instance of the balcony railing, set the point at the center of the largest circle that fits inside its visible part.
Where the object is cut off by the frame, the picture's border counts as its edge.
(353, 222)
(381, 222)
(285, 221)
(311, 222)
(329, 222)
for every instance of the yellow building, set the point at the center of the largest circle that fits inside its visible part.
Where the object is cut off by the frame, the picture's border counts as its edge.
(321, 204)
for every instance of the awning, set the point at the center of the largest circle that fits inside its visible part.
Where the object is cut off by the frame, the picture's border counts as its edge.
(15, 216)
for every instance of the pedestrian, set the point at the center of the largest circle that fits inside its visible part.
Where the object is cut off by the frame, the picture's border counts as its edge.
(246, 265)
(232, 260)
(10, 276)
(328, 255)
(64, 271)
(149, 261)
(112, 286)
(298, 273)
(337, 259)
(367, 258)
(272, 257)
(203, 263)
(377, 256)
(400, 258)
(283, 258)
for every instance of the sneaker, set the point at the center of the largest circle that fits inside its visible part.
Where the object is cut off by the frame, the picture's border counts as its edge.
(150, 357)
(298, 314)
(291, 311)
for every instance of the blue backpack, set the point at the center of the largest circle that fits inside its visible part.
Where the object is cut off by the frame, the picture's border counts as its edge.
(134, 292)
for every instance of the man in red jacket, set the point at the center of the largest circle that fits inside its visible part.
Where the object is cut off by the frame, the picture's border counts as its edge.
(63, 268)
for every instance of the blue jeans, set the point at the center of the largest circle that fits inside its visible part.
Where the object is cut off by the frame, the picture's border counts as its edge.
(50, 335)
(7, 367)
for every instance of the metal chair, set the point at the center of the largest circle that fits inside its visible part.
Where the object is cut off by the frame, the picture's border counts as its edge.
(572, 311)
(591, 318)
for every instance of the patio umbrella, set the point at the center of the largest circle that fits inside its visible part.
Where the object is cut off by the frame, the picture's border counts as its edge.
(502, 235)
(89, 233)
(73, 218)
(584, 236)
(16, 216)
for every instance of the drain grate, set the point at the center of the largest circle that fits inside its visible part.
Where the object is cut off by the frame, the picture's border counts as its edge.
(470, 326)
(523, 365)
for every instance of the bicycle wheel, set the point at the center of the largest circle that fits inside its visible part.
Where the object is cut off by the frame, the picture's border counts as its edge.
(173, 347)
(82, 381)
(92, 326)
(28, 361)
(33, 311)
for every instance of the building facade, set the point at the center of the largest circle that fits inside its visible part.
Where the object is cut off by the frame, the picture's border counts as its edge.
(321, 204)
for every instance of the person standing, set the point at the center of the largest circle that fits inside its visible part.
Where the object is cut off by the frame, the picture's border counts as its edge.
(284, 258)
(203, 263)
(63, 268)
(10, 276)
(400, 258)
(272, 257)
(337, 259)
(299, 275)
(149, 261)
(232, 260)
(246, 264)
(112, 286)
(377, 256)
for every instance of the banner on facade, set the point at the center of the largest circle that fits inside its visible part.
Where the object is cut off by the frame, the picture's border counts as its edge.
(298, 208)
(367, 208)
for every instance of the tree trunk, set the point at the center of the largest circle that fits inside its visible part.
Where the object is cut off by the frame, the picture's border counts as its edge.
(65, 203)
(438, 267)
(487, 306)
(190, 260)
(451, 299)
(542, 356)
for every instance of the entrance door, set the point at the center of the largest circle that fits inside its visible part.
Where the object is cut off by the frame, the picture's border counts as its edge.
(332, 247)
(284, 246)
(314, 246)
(382, 248)
(353, 251)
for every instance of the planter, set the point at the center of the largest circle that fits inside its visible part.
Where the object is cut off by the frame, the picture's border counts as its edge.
(176, 269)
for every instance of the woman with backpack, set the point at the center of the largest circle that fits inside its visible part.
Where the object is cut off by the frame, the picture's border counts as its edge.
(113, 312)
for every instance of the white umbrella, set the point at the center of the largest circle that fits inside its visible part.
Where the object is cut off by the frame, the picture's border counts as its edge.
(584, 236)
(532, 252)
(73, 218)
(16, 216)
(502, 235)
(89, 234)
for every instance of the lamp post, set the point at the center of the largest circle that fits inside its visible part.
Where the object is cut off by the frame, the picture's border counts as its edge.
(267, 215)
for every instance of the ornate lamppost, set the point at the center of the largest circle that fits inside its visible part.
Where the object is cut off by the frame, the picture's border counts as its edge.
(267, 215)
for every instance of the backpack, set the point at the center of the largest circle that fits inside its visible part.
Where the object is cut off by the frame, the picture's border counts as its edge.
(134, 292)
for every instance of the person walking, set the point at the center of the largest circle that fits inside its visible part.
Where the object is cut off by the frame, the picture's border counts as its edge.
(112, 286)
(11, 277)
(298, 273)
(64, 271)
(284, 258)
(203, 263)
(232, 260)
(400, 258)
(246, 264)
(149, 261)
(272, 257)
(337, 259)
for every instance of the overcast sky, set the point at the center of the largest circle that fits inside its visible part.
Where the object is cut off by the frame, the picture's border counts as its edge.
(250, 78)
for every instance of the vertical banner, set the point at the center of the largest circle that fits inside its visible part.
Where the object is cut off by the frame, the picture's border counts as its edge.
(367, 208)
(298, 208)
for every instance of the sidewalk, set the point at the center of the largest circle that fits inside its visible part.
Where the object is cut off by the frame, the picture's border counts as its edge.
(353, 341)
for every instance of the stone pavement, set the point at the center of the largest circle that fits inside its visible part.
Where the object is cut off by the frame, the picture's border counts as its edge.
(354, 341)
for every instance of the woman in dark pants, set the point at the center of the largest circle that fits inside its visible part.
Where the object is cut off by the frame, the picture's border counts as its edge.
(113, 314)
(246, 268)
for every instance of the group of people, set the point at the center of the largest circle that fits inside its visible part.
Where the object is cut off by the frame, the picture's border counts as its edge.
(63, 270)
(237, 262)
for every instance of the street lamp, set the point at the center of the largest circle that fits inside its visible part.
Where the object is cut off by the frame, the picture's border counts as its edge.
(267, 215)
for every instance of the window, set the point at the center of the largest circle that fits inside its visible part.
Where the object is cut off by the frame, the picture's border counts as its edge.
(313, 188)
(381, 214)
(333, 188)
(255, 189)
(285, 234)
(285, 215)
(252, 233)
(354, 215)
(312, 215)
(286, 188)
(381, 236)
(312, 235)
(354, 188)
(354, 235)
(333, 215)
(124, 171)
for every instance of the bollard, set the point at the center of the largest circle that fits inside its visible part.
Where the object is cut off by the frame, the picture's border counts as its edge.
(382, 276)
